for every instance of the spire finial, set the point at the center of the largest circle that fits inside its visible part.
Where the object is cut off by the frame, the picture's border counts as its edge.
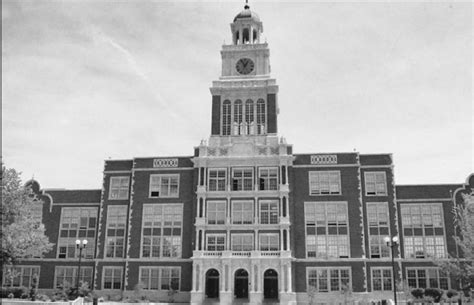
(246, 5)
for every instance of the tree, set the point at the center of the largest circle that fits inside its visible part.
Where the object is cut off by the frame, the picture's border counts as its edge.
(22, 234)
(462, 267)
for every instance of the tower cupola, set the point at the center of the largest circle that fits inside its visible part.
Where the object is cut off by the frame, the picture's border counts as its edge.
(246, 28)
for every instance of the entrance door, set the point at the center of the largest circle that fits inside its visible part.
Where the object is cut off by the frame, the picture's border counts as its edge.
(241, 284)
(212, 283)
(270, 284)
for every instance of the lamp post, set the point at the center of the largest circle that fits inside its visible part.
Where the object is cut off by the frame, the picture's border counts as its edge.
(79, 245)
(392, 243)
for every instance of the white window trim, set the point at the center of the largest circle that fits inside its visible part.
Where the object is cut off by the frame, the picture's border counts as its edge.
(216, 235)
(277, 177)
(268, 234)
(74, 275)
(388, 224)
(140, 270)
(107, 231)
(161, 249)
(243, 169)
(365, 184)
(372, 269)
(426, 268)
(161, 176)
(5, 270)
(232, 212)
(223, 202)
(329, 277)
(329, 172)
(110, 187)
(348, 228)
(267, 201)
(208, 178)
(92, 244)
(440, 205)
(103, 277)
(241, 234)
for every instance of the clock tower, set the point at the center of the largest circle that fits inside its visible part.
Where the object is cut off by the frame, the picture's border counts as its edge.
(244, 98)
(242, 244)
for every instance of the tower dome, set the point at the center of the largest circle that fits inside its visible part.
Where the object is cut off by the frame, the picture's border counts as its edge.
(247, 13)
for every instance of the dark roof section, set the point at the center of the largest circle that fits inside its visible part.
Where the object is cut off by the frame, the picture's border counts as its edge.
(75, 196)
(426, 191)
(376, 159)
(118, 165)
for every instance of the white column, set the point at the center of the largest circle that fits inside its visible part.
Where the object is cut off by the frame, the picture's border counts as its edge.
(290, 289)
(251, 34)
(288, 239)
(281, 239)
(194, 276)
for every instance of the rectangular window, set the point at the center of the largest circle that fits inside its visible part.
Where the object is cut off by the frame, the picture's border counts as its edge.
(164, 186)
(116, 223)
(269, 242)
(66, 276)
(119, 187)
(217, 180)
(20, 276)
(427, 278)
(269, 212)
(378, 220)
(215, 242)
(268, 179)
(162, 225)
(242, 242)
(375, 184)
(242, 179)
(160, 278)
(242, 212)
(423, 230)
(112, 278)
(325, 183)
(381, 279)
(328, 279)
(327, 233)
(77, 223)
(216, 212)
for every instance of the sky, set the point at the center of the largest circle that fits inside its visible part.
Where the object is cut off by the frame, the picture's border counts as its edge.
(85, 81)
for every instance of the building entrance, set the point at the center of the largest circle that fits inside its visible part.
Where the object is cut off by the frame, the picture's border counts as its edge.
(241, 284)
(212, 283)
(270, 284)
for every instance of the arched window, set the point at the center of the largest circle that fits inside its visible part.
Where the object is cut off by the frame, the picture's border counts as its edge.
(261, 116)
(238, 130)
(236, 38)
(245, 36)
(249, 117)
(226, 118)
(255, 37)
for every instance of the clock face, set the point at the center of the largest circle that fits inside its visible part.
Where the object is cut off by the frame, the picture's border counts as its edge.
(244, 66)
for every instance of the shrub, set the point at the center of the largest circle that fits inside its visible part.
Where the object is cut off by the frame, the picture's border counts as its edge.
(451, 293)
(434, 293)
(17, 292)
(418, 293)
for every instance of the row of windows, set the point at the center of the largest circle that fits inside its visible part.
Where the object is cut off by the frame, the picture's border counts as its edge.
(243, 242)
(326, 226)
(327, 233)
(165, 278)
(320, 183)
(242, 212)
(240, 118)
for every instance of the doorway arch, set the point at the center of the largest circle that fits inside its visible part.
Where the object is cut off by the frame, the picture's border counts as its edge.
(270, 284)
(212, 284)
(241, 284)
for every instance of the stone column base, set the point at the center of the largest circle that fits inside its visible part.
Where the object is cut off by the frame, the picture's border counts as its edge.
(197, 297)
(225, 297)
(288, 298)
(255, 298)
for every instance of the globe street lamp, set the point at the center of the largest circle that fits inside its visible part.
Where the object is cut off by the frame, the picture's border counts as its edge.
(79, 245)
(392, 243)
